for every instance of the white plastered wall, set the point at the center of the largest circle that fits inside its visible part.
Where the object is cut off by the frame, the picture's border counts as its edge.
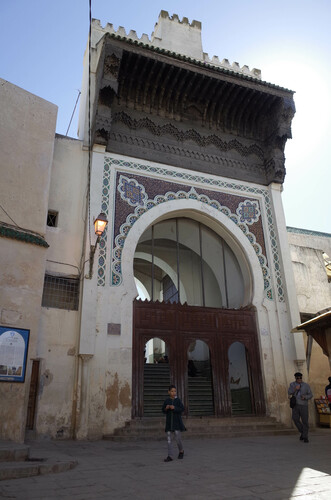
(27, 129)
(58, 335)
(313, 292)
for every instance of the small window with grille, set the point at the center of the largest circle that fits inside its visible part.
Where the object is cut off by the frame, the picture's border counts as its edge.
(61, 293)
(52, 218)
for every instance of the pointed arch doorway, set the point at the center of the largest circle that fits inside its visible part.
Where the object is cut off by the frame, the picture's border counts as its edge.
(193, 292)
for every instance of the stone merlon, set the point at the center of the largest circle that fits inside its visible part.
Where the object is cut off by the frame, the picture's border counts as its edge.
(180, 37)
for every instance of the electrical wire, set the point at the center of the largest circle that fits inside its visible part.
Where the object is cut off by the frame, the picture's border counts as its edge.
(79, 92)
(64, 264)
(10, 217)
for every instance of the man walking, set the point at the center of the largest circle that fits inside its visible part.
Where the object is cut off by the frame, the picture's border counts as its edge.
(302, 392)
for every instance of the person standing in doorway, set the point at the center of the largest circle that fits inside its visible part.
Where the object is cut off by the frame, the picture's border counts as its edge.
(328, 392)
(302, 392)
(173, 409)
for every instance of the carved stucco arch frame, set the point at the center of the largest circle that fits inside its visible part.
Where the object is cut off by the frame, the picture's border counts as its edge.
(215, 220)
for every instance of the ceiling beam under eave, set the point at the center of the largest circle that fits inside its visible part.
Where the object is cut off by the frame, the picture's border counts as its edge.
(150, 99)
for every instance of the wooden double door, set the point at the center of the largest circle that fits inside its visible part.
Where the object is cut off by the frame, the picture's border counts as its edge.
(178, 326)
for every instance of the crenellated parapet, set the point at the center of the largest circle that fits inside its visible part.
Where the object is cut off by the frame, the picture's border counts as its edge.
(176, 36)
(175, 19)
(164, 100)
(235, 66)
(98, 32)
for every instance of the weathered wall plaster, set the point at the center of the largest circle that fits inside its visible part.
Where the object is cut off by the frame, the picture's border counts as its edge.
(27, 129)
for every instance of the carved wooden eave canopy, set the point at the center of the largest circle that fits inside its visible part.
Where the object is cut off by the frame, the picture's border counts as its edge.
(319, 328)
(168, 108)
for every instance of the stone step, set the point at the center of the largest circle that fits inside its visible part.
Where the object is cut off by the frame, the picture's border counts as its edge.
(16, 462)
(157, 384)
(202, 435)
(200, 391)
(205, 412)
(12, 452)
(160, 378)
(154, 402)
(199, 383)
(198, 429)
(155, 391)
(162, 371)
(202, 403)
(210, 422)
(29, 468)
(204, 427)
(198, 396)
(159, 369)
(198, 378)
(151, 367)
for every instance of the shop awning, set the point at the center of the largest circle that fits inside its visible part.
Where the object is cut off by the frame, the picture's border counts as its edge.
(319, 328)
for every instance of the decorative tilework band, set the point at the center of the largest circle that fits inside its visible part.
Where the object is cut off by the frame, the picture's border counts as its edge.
(103, 240)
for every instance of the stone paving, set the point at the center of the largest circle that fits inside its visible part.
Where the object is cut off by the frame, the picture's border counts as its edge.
(272, 467)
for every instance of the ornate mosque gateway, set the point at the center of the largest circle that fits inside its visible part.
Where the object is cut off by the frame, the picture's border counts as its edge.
(190, 157)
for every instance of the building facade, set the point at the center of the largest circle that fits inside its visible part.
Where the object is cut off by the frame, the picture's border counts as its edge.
(27, 128)
(310, 254)
(192, 281)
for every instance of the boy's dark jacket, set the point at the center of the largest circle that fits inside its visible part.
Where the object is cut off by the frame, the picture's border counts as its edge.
(174, 420)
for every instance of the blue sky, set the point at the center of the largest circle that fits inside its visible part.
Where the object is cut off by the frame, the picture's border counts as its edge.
(43, 42)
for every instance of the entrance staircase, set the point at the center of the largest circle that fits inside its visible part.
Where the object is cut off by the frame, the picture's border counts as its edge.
(201, 423)
(201, 428)
(200, 396)
(156, 384)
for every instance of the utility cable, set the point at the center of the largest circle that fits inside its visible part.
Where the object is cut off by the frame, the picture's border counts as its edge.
(10, 217)
(79, 92)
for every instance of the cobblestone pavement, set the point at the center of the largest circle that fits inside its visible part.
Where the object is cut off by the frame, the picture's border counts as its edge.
(273, 467)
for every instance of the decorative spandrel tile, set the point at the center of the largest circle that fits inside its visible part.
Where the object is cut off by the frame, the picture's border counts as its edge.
(131, 191)
(249, 211)
(156, 189)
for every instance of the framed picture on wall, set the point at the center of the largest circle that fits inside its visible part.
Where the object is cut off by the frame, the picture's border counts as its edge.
(14, 343)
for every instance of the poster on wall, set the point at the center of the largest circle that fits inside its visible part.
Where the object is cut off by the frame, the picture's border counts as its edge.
(14, 344)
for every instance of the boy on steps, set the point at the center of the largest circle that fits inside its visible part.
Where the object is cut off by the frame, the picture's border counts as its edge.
(173, 408)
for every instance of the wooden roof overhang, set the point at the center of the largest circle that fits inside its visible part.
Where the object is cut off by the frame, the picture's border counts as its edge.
(156, 82)
(319, 328)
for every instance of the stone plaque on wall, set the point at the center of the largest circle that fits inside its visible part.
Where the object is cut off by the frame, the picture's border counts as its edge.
(114, 329)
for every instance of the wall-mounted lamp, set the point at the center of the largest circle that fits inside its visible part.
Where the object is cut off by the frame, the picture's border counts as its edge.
(100, 224)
